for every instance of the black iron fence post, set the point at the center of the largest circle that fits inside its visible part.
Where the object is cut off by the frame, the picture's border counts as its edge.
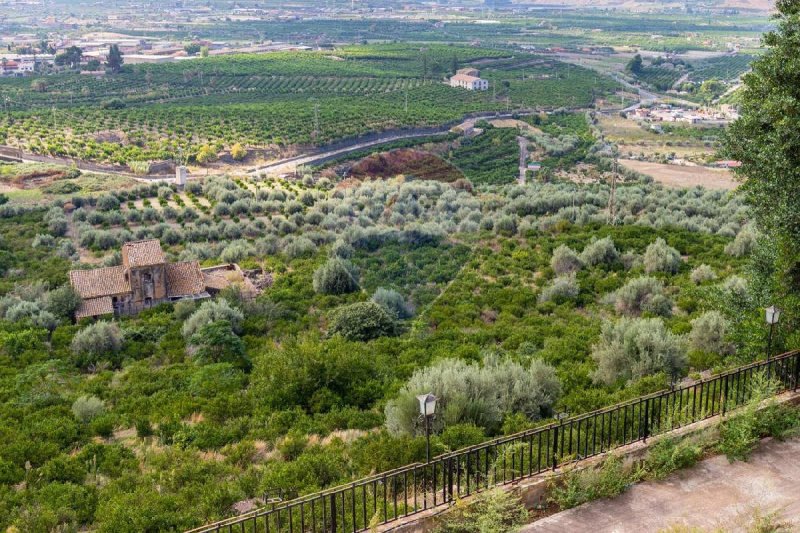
(333, 513)
(796, 370)
(555, 448)
(646, 428)
(725, 396)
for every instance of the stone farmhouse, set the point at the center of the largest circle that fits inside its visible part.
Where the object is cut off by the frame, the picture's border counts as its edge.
(468, 78)
(144, 279)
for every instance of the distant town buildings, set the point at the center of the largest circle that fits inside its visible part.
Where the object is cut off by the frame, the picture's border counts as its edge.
(469, 78)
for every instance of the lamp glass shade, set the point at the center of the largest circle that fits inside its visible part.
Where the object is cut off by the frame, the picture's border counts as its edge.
(427, 404)
(773, 315)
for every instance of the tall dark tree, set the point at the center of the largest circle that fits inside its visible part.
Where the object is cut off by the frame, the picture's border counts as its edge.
(71, 57)
(766, 139)
(115, 59)
(454, 66)
(635, 64)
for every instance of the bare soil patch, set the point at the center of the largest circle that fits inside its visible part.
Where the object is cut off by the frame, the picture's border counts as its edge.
(405, 161)
(679, 177)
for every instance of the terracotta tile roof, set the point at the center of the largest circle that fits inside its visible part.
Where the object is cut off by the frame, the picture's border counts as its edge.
(95, 307)
(184, 279)
(465, 77)
(106, 281)
(142, 253)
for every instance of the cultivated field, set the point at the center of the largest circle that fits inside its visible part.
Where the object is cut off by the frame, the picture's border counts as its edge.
(676, 176)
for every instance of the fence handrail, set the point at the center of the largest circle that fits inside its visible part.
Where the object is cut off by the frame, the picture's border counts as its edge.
(646, 404)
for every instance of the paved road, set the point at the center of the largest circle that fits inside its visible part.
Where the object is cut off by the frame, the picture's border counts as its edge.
(713, 495)
(291, 164)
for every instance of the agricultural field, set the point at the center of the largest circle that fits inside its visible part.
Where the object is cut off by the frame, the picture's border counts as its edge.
(274, 101)
(145, 426)
(692, 143)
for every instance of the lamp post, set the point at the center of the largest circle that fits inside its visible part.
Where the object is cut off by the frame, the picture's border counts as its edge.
(773, 314)
(427, 411)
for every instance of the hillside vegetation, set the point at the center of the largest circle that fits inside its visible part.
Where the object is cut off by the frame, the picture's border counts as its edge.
(164, 421)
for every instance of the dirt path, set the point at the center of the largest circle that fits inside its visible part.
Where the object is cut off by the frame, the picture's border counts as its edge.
(714, 495)
(523, 158)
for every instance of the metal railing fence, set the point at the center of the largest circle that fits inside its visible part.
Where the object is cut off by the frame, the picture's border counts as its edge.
(390, 496)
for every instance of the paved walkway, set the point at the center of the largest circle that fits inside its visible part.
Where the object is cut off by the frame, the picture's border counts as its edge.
(712, 495)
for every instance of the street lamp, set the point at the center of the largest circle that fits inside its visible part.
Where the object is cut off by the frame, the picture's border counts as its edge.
(773, 314)
(427, 411)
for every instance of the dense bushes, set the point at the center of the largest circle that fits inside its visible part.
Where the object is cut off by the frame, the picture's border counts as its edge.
(492, 511)
(565, 260)
(478, 394)
(709, 333)
(87, 408)
(97, 342)
(212, 311)
(641, 295)
(633, 348)
(393, 302)
(660, 257)
(336, 276)
(560, 290)
(601, 251)
(362, 321)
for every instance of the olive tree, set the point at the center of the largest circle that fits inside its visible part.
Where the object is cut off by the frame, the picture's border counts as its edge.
(661, 257)
(632, 348)
(709, 332)
(336, 276)
(565, 260)
(480, 394)
(101, 340)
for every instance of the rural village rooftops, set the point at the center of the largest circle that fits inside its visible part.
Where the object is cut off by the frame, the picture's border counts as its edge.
(184, 279)
(142, 253)
(107, 281)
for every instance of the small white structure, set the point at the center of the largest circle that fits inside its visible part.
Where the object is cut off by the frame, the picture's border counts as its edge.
(468, 78)
(180, 176)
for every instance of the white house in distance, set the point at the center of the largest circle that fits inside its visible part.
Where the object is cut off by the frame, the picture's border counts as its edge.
(468, 78)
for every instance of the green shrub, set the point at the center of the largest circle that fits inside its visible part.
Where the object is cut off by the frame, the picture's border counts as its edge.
(635, 297)
(87, 408)
(300, 247)
(96, 342)
(336, 276)
(143, 427)
(744, 243)
(475, 394)
(709, 332)
(565, 260)
(702, 274)
(668, 455)
(602, 251)
(661, 257)
(493, 511)
(212, 311)
(579, 486)
(393, 302)
(362, 321)
(102, 426)
(460, 436)
(560, 290)
(630, 349)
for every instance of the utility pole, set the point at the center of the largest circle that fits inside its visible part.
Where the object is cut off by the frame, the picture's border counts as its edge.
(406, 106)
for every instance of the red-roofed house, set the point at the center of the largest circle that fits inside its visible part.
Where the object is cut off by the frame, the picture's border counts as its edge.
(144, 279)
